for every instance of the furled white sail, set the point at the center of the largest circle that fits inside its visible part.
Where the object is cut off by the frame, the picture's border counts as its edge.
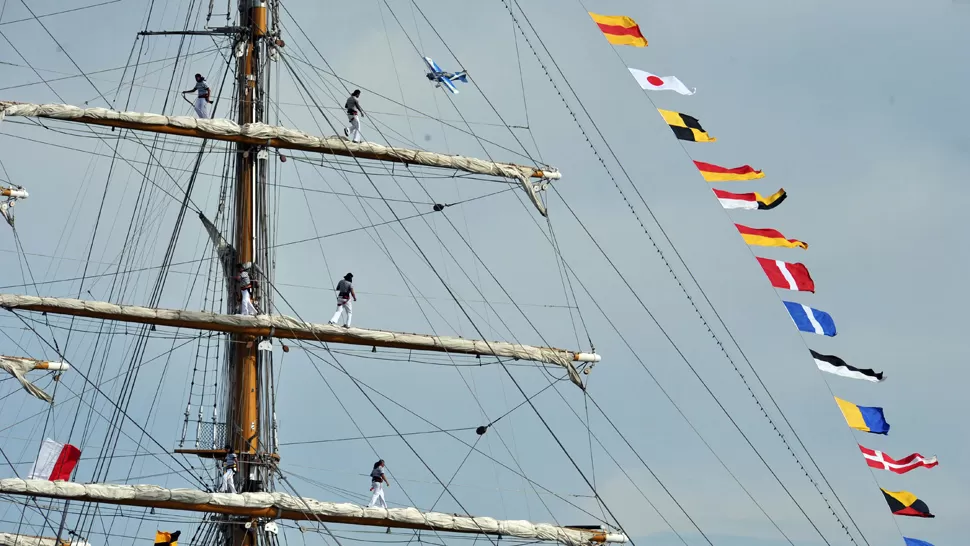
(18, 367)
(10, 539)
(281, 326)
(281, 137)
(283, 506)
(225, 251)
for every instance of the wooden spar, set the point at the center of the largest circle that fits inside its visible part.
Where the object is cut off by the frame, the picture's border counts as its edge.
(287, 507)
(289, 328)
(272, 142)
(18, 193)
(261, 136)
(19, 366)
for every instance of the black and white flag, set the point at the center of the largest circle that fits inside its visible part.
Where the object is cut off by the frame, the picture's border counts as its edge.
(835, 365)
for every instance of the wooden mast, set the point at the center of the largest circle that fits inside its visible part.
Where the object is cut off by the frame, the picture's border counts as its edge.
(242, 419)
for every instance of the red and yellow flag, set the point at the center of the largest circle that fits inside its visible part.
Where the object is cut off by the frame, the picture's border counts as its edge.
(716, 173)
(768, 237)
(620, 30)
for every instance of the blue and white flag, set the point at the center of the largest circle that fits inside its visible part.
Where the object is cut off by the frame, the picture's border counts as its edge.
(811, 320)
(915, 542)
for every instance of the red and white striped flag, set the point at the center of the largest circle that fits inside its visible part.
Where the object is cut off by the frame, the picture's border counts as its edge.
(788, 276)
(55, 462)
(878, 459)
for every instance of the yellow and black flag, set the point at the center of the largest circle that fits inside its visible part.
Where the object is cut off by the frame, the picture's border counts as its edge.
(904, 503)
(685, 127)
(163, 538)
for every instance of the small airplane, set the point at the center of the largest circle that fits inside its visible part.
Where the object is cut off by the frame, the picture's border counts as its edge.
(444, 78)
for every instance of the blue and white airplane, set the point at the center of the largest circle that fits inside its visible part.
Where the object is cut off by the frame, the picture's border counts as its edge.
(444, 78)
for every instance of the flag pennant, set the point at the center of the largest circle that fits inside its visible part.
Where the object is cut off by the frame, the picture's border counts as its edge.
(55, 461)
(660, 83)
(878, 459)
(716, 173)
(904, 503)
(787, 276)
(768, 237)
(863, 418)
(620, 30)
(835, 365)
(750, 201)
(685, 127)
(915, 542)
(811, 320)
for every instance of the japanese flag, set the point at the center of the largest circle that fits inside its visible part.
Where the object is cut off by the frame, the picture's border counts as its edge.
(55, 462)
(651, 81)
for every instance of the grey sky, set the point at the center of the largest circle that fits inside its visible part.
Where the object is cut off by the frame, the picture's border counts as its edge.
(856, 110)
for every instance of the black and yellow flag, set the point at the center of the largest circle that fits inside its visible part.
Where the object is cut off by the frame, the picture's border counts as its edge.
(904, 503)
(163, 538)
(685, 127)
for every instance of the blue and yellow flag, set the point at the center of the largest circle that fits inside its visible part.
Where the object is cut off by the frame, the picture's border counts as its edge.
(863, 418)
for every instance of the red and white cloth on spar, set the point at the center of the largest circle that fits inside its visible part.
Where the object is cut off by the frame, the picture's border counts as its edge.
(55, 462)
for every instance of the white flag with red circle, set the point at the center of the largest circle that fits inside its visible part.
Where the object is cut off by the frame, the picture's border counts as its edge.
(658, 83)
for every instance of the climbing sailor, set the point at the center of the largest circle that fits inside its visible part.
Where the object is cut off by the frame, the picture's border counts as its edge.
(245, 288)
(229, 477)
(345, 291)
(377, 481)
(354, 113)
(203, 98)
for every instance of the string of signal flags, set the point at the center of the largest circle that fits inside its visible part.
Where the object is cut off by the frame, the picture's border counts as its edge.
(621, 30)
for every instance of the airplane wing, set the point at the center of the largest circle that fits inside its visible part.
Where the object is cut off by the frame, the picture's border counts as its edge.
(433, 66)
(449, 86)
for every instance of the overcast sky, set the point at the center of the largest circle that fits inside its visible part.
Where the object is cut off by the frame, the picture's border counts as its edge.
(856, 109)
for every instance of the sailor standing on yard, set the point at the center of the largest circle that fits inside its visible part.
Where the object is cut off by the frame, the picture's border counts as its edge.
(377, 481)
(200, 102)
(354, 113)
(245, 288)
(345, 291)
(229, 478)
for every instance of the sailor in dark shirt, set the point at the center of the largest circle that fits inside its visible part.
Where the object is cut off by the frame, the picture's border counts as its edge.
(229, 478)
(345, 291)
(354, 113)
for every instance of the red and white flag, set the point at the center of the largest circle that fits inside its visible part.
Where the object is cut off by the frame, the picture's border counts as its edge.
(55, 462)
(657, 83)
(788, 276)
(878, 459)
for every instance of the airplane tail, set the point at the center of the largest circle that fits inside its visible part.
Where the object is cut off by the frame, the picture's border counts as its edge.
(463, 78)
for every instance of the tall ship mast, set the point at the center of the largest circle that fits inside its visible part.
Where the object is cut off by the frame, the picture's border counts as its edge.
(246, 426)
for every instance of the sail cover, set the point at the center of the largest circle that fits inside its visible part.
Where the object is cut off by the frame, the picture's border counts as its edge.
(18, 367)
(10, 539)
(283, 506)
(281, 326)
(281, 137)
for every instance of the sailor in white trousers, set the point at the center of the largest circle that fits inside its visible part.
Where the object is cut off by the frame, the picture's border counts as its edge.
(377, 481)
(345, 291)
(354, 113)
(229, 478)
(202, 88)
(245, 287)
